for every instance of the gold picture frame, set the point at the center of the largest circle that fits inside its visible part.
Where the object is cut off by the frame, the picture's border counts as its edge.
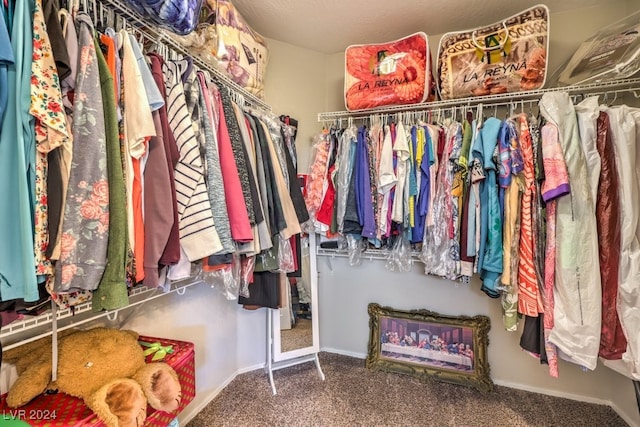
(428, 345)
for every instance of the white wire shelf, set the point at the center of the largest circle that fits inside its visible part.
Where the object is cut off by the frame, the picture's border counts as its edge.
(370, 254)
(138, 295)
(514, 99)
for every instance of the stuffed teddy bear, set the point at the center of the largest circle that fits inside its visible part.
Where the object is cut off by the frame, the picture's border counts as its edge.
(105, 367)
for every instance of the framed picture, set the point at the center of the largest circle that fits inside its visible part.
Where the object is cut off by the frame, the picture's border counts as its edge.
(428, 345)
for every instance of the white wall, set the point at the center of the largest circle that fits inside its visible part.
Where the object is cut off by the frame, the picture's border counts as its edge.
(294, 86)
(202, 316)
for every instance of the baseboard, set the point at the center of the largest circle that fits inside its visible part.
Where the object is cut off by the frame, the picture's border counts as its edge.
(187, 416)
(344, 352)
(554, 393)
(579, 397)
(251, 368)
(632, 422)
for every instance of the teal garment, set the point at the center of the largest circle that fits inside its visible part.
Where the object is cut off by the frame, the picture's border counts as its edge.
(6, 60)
(492, 234)
(17, 159)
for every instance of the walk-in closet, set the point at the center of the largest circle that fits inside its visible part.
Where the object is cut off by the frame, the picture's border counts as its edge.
(288, 213)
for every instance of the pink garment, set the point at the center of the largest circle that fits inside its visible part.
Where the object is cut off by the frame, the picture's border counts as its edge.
(529, 297)
(549, 282)
(556, 177)
(325, 213)
(556, 184)
(317, 179)
(236, 208)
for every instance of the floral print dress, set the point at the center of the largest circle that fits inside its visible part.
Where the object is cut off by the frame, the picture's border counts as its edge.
(86, 217)
(50, 128)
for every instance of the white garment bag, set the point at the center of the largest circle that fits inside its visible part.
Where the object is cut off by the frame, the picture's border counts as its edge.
(625, 130)
(578, 292)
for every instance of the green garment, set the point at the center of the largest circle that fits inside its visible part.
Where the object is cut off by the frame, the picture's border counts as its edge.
(112, 291)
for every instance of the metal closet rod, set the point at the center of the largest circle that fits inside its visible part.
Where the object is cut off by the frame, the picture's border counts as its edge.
(493, 101)
(162, 37)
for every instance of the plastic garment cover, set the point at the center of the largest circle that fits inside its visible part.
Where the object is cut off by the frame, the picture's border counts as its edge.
(226, 279)
(285, 255)
(588, 113)
(577, 311)
(436, 254)
(316, 181)
(355, 247)
(625, 128)
(179, 16)
(399, 258)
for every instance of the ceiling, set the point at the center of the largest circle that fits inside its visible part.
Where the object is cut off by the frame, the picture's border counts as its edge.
(329, 26)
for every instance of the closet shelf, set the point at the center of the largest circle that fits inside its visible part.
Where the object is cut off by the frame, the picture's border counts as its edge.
(139, 294)
(370, 254)
(161, 36)
(513, 99)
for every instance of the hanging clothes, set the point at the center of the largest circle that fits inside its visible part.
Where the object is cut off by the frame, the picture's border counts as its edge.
(490, 249)
(6, 59)
(138, 128)
(290, 225)
(215, 185)
(612, 340)
(198, 236)
(261, 232)
(112, 292)
(436, 254)
(625, 127)
(85, 232)
(363, 191)
(60, 159)
(512, 220)
(171, 252)
(248, 190)
(158, 220)
(466, 261)
(17, 264)
(578, 292)
(399, 212)
(424, 193)
(51, 131)
(529, 295)
(587, 112)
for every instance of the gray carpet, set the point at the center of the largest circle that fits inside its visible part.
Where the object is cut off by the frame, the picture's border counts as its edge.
(352, 395)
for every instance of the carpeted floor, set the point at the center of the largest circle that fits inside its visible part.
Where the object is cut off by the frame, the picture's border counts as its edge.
(300, 336)
(352, 395)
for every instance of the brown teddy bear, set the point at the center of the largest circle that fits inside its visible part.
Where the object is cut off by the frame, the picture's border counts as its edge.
(104, 367)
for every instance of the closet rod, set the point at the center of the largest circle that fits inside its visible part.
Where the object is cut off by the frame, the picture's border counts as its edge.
(158, 35)
(493, 101)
